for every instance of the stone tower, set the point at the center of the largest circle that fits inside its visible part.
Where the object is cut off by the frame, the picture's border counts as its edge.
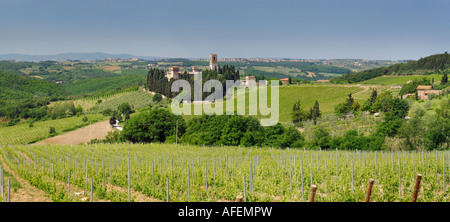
(212, 61)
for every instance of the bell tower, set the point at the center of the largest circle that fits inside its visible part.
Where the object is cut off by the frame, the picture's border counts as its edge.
(212, 61)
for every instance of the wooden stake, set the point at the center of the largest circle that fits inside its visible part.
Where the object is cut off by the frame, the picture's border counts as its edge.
(417, 187)
(369, 190)
(313, 193)
(239, 198)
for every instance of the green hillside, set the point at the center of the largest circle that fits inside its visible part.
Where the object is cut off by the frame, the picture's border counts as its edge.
(13, 86)
(92, 86)
(26, 96)
(425, 66)
(328, 97)
(400, 80)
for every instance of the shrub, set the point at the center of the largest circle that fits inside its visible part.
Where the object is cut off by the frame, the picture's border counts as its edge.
(157, 98)
(52, 131)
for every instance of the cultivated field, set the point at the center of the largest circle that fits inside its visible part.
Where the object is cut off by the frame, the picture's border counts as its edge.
(161, 172)
(136, 99)
(81, 136)
(23, 134)
(328, 96)
(400, 80)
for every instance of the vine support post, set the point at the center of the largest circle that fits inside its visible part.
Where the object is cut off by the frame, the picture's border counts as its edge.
(9, 190)
(92, 190)
(417, 187)
(369, 190)
(313, 193)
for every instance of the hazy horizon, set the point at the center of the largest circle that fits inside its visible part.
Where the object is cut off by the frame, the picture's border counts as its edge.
(320, 29)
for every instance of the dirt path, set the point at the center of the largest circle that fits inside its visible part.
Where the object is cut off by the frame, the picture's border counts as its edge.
(83, 135)
(27, 192)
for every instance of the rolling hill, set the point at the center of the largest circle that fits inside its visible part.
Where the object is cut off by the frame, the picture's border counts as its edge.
(424, 66)
(13, 86)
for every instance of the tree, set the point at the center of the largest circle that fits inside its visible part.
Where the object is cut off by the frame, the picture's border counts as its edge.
(234, 130)
(367, 106)
(290, 138)
(107, 112)
(436, 135)
(124, 108)
(112, 120)
(85, 119)
(157, 98)
(297, 114)
(78, 110)
(322, 137)
(350, 100)
(272, 135)
(153, 126)
(30, 123)
(290, 80)
(52, 131)
(205, 129)
(412, 131)
(315, 112)
(347, 107)
(395, 113)
(444, 79)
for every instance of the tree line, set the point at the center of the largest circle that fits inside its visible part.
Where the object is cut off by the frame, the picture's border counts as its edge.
(428, 65)
(157, 81)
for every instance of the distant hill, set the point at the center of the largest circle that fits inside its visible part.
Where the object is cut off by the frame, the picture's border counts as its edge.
(13, 87)
(423, 66)
(71, 56)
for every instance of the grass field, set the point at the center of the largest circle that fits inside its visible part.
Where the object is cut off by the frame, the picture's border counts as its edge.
(169, 172)
(328, 96)
(23, 134)
(399, 80)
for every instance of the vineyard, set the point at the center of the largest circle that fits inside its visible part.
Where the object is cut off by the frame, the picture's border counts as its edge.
(169, 172)
(24, 134)
(136, 99)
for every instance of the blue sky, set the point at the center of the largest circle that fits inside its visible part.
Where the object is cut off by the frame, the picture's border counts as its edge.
(367, 29)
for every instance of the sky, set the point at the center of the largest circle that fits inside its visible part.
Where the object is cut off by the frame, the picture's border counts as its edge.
(307, 29)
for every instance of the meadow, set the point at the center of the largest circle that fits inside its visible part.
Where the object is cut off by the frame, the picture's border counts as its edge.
(170, 172)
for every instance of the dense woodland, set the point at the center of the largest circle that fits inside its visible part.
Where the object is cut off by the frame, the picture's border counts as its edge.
(439, 63)
(26, 97)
